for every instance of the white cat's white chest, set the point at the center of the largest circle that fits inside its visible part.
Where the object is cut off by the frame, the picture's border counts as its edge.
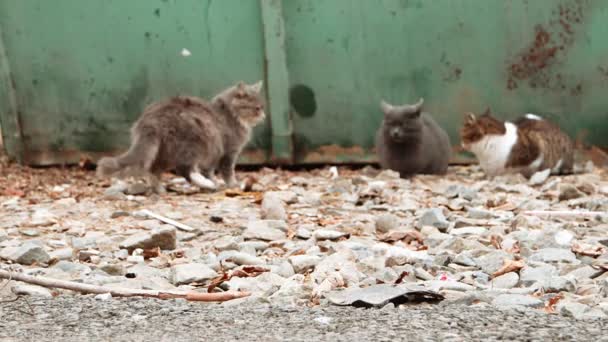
(493, 151)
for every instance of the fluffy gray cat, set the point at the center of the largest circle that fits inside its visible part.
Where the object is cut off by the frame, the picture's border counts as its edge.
(411, 142)
(192, 137)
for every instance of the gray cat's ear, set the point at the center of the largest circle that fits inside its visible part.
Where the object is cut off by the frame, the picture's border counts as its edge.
(257, 87)
(386, 108)
(418, 106)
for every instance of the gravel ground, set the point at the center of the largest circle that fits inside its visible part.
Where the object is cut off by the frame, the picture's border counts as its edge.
(304, 242)
(82, 318)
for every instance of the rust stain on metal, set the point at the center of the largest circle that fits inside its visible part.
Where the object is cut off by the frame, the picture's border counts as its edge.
(551, 42)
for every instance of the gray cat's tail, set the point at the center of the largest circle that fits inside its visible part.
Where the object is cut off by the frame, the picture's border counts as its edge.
(140, 155)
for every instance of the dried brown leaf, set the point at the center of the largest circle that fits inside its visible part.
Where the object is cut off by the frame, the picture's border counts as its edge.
(550, 305)
(588, 250)
(509, 266)
(496, 241)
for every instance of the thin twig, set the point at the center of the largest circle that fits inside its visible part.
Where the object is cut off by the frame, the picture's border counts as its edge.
(178, 225)
(564, 213)
(122, 292)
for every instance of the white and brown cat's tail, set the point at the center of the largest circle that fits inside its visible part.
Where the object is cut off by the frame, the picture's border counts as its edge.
(140, 155)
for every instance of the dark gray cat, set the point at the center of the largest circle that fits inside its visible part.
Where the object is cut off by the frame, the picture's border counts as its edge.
(191, 136)
(411, 142)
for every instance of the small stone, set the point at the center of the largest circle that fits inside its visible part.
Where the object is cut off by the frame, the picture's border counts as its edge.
(572, 309)
(476, 213)
(530, 275)
(257, 245)
(26, 254)
(113, 269)
(492, 262)
(464, 260)
(241, 258)
(261, 230)
(116, 191)
(227, 243)
(189, 273)
(136, 189)
(164, 237)
(434, 217)
(464, 231)
(506, 281)
(85, 255)
(568, 192)
(539, 177)
(386, 222)
(302, 263)
(3, 236)
(135, 259)
(72, 268)
(32, 290)
(30, 232)
(559, 284)
(273, 207)
(509, 300)
(303, 233)
(328, 234)
(119, 213)
(585, 272)
(553, 255)
(62, 254)
(103, 296)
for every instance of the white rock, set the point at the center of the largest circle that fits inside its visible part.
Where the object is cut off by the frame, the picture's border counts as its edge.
(505, 281)
(328, 234)
(163, 237)
(189, 273)
(273, 207)
(261, 230)
(26, 254)
(302, 263)
(32, 290)
(241, 258)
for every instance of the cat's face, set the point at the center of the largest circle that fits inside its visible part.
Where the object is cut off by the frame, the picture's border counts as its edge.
(475, 129)
(402, 123)
(245, 101)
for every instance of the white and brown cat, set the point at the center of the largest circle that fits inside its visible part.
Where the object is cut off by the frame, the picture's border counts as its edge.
(526, 145)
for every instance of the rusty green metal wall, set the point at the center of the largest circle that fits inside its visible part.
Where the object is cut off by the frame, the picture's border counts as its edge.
(74, 74)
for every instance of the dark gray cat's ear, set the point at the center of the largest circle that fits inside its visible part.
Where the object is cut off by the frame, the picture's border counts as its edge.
(257, 87)
(386, 108)
(418, 106)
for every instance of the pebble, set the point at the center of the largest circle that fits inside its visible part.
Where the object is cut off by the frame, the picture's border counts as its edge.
(164, 238)
(434, 217)
(386, 223)
(506, 281)
(507, 300)
(261, 230)
(569, 192)
(550, 255)
(26, 254)
(302, 263)
(32, 290)
(273, 207)
(189, 273)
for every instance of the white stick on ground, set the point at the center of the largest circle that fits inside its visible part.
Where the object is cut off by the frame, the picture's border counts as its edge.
(167, 220)
(121, 292)
(564, 213)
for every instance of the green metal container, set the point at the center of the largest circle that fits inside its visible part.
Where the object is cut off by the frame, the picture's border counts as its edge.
(75, 74)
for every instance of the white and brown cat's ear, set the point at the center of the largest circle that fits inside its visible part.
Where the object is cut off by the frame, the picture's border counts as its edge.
(469, 118)
(386, 107)
(257, 87)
